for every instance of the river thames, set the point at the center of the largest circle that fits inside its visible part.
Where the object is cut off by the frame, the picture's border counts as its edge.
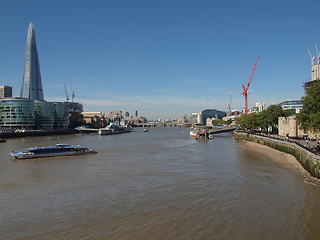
(154, 185)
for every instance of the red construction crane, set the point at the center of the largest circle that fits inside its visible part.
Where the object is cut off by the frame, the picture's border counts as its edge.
(245, 90)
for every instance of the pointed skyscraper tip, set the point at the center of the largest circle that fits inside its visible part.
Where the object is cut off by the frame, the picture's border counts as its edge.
(31, 81)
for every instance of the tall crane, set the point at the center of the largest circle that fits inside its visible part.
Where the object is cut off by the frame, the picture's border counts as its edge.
(72, 92)
(245, 89)
(312, 58)
(230, 104)
(65, 90)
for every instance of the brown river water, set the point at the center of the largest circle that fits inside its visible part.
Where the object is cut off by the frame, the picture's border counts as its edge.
(154, 185)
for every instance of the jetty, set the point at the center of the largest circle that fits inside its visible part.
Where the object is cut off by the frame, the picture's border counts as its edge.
(87, 130)
(221, 130)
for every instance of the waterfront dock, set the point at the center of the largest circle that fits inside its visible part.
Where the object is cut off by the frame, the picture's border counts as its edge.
(221, 130)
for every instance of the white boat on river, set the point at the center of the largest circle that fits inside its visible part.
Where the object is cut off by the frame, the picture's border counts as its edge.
(52, 151)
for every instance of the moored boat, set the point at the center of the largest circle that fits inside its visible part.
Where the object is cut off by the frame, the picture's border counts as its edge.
(113, 128)
(52, 151)
(193, 132)
(104, 131)
(3, 140)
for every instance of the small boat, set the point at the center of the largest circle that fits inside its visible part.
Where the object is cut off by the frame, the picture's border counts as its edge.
(193, 132)
(52, 151)
(3, 140)
(145, 130)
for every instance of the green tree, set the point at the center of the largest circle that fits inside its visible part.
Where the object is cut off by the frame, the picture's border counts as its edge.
(217, 122)
(264, 119)
(309, 116)
(248, 121)
(273, 112)
(289, 112)
(228, 122)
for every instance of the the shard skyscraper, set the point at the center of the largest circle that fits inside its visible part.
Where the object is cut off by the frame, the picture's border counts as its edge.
(31, 81)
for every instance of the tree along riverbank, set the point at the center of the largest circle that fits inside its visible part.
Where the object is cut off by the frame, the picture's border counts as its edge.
(305, 163)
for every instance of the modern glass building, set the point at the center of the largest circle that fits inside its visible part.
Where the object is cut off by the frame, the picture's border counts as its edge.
(17, 113)
(212, 113)
(30, 110)
(22, 113)
(291, 104)
(44, 114)
(5, 91)
(31, 81)
(61, 117)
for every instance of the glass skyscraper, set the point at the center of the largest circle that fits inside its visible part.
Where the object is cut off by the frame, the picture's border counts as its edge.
(31, 81)
(30, 110)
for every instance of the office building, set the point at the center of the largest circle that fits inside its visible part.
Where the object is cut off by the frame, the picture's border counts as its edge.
(315, 71)
(61, 117)
(75, 114)
(211, 113)
(17, 113)
(31, 81)
(257, 107)
(291, 104)
(22, 113)
(44, 114)
(116, 115)
(30, 110)
(95, 119)
(5, 91)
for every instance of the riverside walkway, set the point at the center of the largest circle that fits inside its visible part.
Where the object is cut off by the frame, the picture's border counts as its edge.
(308, 157)
(311, 145)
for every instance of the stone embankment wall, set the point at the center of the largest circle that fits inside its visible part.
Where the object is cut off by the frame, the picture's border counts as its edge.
(308, 160)
(37, 133)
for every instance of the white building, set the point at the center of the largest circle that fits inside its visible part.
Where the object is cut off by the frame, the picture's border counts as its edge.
(199, 118)
(257, 107)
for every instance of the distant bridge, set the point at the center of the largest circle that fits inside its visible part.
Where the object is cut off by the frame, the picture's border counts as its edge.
(158, 124)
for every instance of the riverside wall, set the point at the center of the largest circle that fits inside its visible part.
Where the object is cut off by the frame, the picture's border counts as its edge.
(37, 133)
(308, 160)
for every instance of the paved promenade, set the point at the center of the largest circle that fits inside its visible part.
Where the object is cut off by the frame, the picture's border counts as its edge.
(312, 145)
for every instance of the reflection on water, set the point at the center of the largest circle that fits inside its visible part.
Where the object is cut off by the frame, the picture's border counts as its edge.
(159, 184)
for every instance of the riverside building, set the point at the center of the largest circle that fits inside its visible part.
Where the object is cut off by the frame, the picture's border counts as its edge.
(315, 70)
(95, 119)
(211, 113)
(30, 110)
(5, 91)
(291, 104)
(22, 113)
(17, 113)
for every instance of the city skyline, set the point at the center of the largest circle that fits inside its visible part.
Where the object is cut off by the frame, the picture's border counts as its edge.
(164, 59)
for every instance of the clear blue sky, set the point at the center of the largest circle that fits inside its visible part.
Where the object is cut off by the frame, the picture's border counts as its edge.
(164, 58)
